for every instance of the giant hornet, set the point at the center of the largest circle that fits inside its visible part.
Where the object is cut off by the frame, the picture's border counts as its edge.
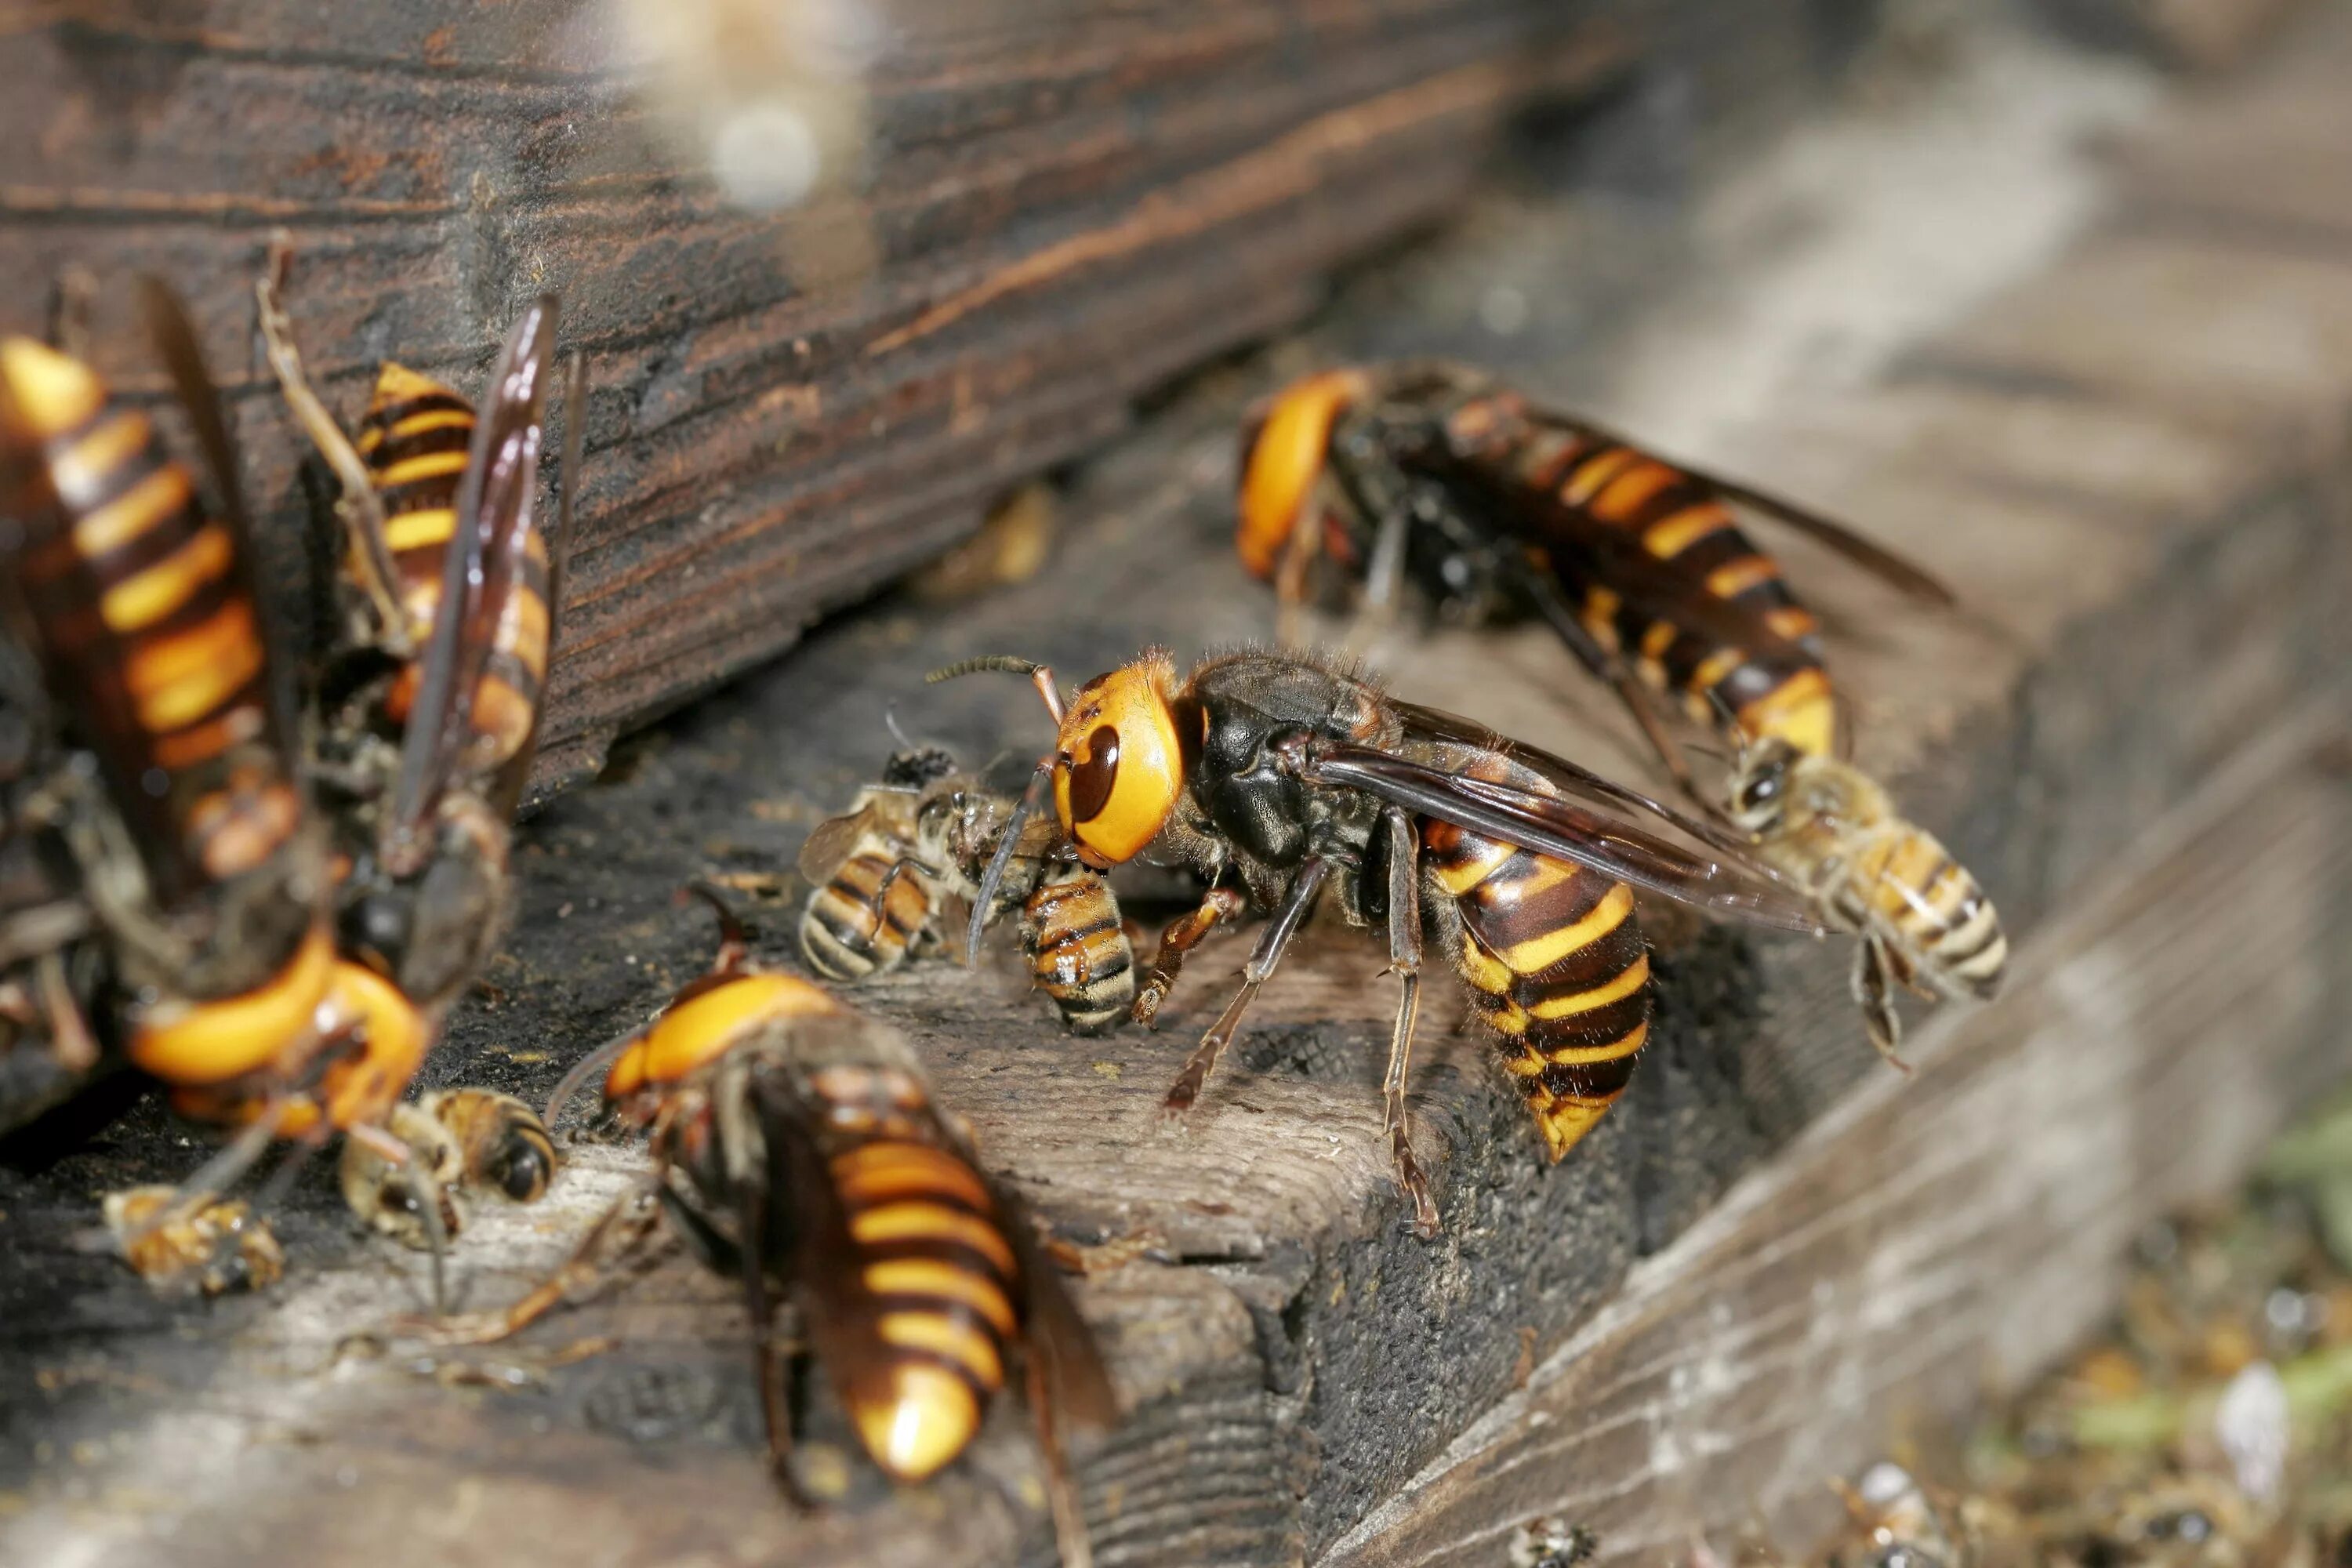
(797, 1146)
(192, 845)
(1432, 472)
(928, 830)
(1294, 777)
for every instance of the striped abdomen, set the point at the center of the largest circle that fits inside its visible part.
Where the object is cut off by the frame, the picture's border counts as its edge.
(928, 1246)
(414, 440)
(146, 623)
(1555, 964)
(1078, 949)
(861, 923)
(1686, 525)
(1903, 882)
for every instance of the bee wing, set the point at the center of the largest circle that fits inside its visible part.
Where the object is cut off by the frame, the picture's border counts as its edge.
(506, 792)
(1726, 881)
(495, 503)
(834, 840)
(1896, 571)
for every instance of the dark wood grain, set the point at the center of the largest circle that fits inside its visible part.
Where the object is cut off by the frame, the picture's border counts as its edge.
(2132, 462)
(1068, 206)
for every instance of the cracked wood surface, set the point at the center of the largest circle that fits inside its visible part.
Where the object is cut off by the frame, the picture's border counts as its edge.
(2150, 519)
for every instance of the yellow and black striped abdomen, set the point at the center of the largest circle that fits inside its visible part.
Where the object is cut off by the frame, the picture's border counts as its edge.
(1904, 883)
(929, 1250)
(1555, 964)
(862, 922)
(415, 441)
(1078, 949)
(147, 625)
(1686, 526)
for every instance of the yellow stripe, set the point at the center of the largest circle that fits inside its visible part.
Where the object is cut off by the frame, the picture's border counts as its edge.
(90, 462)
(1798, 710)
(944, 1281)
(880, 1171)
(1715, 667)
(1459, 878)
(430, 466)
(1592, 473)
(943, 1336)
(1539, 954)
(52, 392)
(419, 530)
(1658, 638)
(1792, 621)
(933, 1222)
(1483, 969)
(1627, 492)
(1734, 578)
(1600, 616)
(186, 678)
(1636, 976)
(150, 595)
(433, 419)
(1669, 537)
(131, 515)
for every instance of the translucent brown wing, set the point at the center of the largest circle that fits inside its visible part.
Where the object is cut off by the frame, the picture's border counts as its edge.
(506, 792)
(1721, 882)
(1896, 571)
(833, 841)
(495, 501)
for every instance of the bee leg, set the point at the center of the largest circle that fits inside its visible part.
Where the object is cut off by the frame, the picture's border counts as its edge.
(397, 1152)
(1404, 962)
(1297, 899)
(1183, 934)
(1061, 1488)
(361, 509)
(1873, 990)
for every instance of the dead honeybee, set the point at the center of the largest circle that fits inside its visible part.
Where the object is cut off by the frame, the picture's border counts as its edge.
(927, 832)
(470, 1140)
(1294, 777)
(1432, 471)
(796, 1144)
(215, 1247)
(430, 702)
(193, 846)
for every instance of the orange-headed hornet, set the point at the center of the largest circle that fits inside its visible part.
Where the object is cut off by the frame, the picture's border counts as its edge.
(796, 1144)
(1489, 503)
(1295, 778)
(431, 703)
(191, 833)
(928, 830)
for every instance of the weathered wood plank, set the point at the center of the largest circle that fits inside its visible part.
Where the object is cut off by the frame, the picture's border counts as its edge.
(2163, 570)
(1070, 205)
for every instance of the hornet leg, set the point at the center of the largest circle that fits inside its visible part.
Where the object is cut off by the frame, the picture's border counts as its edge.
(1404, 962)
(1296, 900)
(1183, 934)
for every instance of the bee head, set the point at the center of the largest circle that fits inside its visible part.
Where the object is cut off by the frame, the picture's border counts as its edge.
(1760, 789)
(1120, 766)
(1286, 449)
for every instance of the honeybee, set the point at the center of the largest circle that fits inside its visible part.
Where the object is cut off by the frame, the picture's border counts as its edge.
(928, 831)
(1490, 504)
(1294, 778)
(214, 1248)
(430, 705)
(470, 1140)
(193, 846)
(797, 1145)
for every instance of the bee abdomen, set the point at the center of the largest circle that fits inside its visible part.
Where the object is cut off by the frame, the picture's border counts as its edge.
(930, 1250)
(1078, 949)
(1556, 965)
(861, 923)
(1937, 908)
